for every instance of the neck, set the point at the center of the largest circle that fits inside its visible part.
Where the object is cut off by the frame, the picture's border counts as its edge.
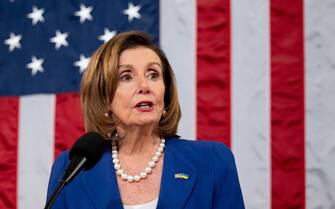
(137, 140)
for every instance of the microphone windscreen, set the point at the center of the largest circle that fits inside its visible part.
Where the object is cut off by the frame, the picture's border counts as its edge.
(91, 146)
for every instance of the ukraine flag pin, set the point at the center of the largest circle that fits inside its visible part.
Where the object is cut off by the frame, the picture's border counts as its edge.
(181, 176)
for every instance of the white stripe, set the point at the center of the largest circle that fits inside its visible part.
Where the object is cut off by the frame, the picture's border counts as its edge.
(250, 99)
(320, 103)
(178, 29)
(36, 149)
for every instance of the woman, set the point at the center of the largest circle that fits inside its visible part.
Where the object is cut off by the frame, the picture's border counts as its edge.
(128, 94)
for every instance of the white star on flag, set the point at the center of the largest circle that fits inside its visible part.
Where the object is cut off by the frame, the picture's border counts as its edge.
(132, 12)
(82, 63)
(60, 39)
(13, 41)
(35, 65)
(84, 13)
(107, 35)
(36, 15)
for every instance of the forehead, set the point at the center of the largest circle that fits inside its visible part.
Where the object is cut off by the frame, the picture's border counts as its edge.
(139, 55)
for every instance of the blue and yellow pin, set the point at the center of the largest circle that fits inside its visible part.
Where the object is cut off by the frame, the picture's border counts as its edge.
(181, 176)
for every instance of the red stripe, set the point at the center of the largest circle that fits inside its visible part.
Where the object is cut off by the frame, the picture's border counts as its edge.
(213, 70)
(287, 104)
(69, 124)
(9, 120)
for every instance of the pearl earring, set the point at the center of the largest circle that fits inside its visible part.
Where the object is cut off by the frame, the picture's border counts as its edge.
(108, 114)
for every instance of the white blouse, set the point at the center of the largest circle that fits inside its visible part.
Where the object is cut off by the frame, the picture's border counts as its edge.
(149, 205)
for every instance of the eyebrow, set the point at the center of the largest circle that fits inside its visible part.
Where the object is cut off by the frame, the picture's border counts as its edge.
(155, 63)
(124, 66)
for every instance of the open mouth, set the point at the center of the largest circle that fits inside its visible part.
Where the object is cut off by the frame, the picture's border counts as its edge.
(144, 105)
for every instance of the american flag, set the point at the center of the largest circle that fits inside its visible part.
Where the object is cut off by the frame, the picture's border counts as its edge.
(258, 75)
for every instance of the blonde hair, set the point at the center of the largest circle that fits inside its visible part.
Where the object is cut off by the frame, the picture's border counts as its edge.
(100, 81)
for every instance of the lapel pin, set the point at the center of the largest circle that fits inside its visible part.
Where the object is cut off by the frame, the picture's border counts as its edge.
(181, 176)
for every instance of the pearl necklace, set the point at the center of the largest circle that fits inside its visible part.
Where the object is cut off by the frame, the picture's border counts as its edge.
(142, 175)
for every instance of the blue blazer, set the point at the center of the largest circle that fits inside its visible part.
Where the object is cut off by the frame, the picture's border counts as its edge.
(212, 182)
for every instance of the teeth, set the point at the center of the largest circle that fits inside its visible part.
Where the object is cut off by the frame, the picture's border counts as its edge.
(144, 106)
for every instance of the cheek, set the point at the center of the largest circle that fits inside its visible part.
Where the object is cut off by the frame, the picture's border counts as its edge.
(121, 100)
(160, 96)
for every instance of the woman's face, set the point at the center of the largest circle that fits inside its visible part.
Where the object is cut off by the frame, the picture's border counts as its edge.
(139, 96)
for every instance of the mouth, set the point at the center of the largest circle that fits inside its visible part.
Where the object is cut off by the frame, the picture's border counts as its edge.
(144, 106)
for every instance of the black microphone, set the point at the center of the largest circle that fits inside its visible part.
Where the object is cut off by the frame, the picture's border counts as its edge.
(84, 154)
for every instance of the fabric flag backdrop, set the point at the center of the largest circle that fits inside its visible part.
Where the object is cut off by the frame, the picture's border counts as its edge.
(258, 75)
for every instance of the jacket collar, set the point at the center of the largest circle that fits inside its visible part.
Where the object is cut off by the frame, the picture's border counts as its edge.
(101, 185)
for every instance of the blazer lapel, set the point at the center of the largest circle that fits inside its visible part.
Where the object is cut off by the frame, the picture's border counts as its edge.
(175, 186)
(101, 186)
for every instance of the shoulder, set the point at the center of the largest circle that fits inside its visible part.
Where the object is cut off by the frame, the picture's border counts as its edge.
(63, 159)
(60, 162)
(199, 145)
(203, 149)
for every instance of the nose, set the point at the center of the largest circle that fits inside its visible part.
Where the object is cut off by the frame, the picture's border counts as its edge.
(144, 91)
(143, 87)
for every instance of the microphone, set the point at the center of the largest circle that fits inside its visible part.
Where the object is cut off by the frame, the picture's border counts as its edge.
(84, 154)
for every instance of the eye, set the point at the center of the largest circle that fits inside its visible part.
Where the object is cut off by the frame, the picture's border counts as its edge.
(125, 76)
(153, 74)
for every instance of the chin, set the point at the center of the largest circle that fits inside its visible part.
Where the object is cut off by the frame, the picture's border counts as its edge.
(147, 121)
